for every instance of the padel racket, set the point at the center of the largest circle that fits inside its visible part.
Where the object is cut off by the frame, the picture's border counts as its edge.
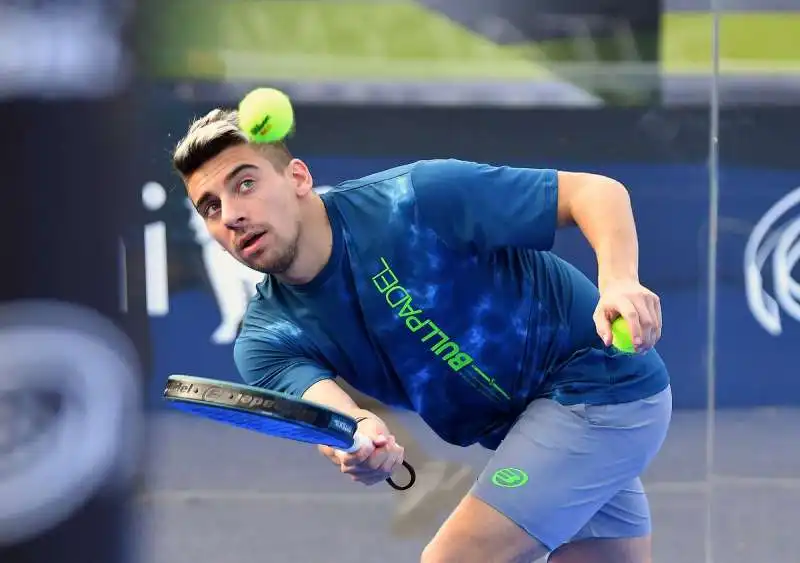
(269, 412)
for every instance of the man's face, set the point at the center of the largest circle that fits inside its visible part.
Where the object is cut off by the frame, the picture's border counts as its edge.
(250, 208)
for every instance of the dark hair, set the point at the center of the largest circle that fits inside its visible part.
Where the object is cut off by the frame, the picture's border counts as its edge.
(215, 132)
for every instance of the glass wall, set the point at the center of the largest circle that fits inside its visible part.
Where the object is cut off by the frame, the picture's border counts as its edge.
(753, 466)
(693, 108)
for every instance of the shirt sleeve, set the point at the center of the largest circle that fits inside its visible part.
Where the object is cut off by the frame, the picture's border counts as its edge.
(487, 207)
(263, 362)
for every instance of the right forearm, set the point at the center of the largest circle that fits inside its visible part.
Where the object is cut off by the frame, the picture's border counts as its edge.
(327, 392)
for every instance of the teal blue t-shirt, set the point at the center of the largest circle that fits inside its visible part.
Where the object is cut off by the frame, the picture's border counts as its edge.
(442, 296)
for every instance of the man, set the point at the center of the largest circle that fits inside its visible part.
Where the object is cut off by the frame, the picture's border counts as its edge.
(431, 287)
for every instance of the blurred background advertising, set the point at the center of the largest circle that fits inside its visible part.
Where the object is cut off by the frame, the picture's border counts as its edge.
(692, 105)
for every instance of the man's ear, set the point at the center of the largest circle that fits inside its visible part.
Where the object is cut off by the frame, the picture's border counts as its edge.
(301, 177)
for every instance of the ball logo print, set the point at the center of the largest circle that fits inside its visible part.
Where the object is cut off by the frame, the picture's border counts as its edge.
(261, 128)
(775, 238)
(509, 477)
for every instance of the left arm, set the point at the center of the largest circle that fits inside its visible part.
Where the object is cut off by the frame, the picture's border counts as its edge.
(601, 208)
(481, 207)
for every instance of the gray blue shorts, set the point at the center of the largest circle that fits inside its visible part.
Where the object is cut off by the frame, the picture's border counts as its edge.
(565, 473)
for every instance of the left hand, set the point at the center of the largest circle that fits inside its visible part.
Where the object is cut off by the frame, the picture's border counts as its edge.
(639, 306)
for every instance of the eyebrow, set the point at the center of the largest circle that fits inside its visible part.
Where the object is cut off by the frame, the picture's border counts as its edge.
(236, 171)
(228, 177)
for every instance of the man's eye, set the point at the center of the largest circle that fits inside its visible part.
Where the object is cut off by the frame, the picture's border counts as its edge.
(246, 185)
(210, 209)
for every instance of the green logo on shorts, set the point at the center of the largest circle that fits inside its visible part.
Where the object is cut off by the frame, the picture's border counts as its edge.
(509, 477)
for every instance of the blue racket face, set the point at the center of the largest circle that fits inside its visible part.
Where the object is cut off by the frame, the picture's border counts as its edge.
(264, 424)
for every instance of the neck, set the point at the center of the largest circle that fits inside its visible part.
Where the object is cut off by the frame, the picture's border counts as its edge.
(314, 244)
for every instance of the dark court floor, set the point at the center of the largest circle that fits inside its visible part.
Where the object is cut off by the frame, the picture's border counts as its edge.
(222, 495)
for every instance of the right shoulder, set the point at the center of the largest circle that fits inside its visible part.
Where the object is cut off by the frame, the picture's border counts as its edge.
(269, 341)
(272, 351)
(268, 322)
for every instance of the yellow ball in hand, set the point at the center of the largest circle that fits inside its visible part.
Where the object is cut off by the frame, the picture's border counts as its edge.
(621, 336)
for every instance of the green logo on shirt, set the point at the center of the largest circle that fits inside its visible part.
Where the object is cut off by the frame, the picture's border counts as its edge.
(399, 300)
(509, 478)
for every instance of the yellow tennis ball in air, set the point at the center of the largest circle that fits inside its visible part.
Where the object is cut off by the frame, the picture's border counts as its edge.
(621, 335)
(266, 115)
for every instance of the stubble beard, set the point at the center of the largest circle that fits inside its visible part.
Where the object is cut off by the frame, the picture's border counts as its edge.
(280, 264)
(271, 263)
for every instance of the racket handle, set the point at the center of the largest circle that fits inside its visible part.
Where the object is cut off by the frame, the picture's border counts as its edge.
(359, 441)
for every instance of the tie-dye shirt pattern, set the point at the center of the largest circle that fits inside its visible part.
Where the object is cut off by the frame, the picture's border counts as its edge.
(442, 296)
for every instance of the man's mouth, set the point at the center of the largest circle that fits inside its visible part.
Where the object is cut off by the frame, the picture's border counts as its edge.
(249, 242)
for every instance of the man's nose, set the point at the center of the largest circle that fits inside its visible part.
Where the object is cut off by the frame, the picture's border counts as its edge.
(232, 217)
